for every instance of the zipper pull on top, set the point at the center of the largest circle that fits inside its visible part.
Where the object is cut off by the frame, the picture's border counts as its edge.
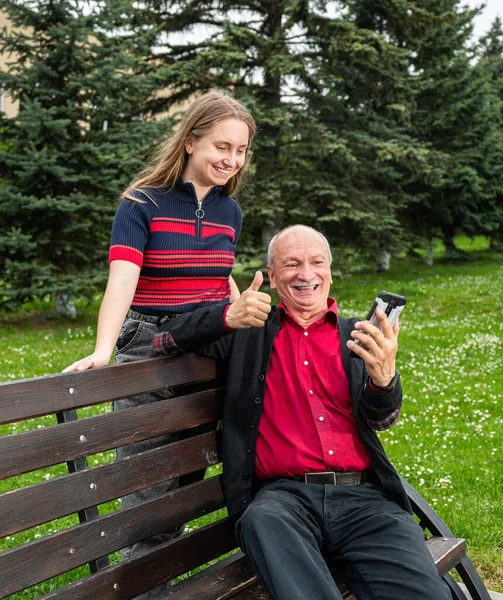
(199, 209)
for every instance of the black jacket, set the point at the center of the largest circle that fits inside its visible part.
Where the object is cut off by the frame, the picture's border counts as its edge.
(246, 353)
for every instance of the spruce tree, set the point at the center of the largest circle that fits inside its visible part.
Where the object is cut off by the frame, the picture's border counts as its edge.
(276, 57)
(456, 116)
(491, 51)
(364, 100)
(82, 82)
(332, 93)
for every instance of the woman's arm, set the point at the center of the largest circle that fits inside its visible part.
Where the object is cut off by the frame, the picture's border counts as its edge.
(119, 293)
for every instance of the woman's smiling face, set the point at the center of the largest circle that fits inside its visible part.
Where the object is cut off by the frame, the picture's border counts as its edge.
(218, 155)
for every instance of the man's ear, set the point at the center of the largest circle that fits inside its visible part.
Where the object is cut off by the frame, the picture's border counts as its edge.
(189, 143)
(272, 281)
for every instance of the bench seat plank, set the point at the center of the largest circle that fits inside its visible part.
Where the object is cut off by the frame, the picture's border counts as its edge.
(39, 396)
(49, 446)
(42, 559)
(233, 578)
(68, 494)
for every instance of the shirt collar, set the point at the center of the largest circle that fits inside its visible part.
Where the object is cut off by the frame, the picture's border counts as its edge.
(187, 193)
(331, 315)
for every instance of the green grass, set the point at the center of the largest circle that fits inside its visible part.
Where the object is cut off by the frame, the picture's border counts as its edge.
(448, 442)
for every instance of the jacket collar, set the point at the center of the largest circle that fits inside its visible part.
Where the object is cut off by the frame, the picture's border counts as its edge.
(186, 192)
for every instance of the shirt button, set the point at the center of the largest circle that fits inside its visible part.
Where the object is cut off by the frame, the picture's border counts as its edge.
(249, 449)
(246, 475)
(305, 333)
(306, 362)
(244, 500)
(261, 377)
(253, 425)
(330, 452)
(258, 400)
(321, 418)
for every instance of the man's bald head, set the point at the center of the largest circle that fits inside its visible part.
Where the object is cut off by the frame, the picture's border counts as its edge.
(295, 229)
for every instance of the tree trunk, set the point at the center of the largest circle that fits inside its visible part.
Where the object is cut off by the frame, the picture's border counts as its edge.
(496, 241)
(450, 248)
(64, 305)
(453, 253)
(382, 261)
(429, 255)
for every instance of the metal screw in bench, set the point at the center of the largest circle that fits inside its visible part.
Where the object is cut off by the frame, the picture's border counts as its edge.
(82, 438)
(92, 486)
(71, 390)
(72, 550)
(103, 534)
(116, 587)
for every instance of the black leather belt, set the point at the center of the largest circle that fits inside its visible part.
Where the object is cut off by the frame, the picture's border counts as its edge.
(329, 478)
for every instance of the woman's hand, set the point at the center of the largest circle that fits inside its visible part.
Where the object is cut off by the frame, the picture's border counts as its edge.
(121, 286)
(93, 361)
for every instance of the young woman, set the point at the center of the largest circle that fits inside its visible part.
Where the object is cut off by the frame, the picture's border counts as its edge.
(172, 246)
(176, 229)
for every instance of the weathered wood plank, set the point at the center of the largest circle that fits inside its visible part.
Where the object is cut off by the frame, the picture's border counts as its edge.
(41, 448)
(230, 579)
(131, 578)
(43, 502)
(233, 578)
(446, 552)
(215, 582)
(37, 561)
(56, 393)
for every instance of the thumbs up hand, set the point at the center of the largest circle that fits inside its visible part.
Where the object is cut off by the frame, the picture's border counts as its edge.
(251, 308)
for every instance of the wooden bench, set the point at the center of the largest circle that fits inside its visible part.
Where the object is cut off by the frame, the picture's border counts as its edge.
(84, 489)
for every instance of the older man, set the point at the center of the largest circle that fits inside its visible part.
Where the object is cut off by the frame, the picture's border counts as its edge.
(304, 471)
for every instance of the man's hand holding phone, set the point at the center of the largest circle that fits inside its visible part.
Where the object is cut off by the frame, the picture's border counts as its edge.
(379, 351)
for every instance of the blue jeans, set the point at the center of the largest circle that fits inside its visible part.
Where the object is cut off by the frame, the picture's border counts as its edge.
(379, 549)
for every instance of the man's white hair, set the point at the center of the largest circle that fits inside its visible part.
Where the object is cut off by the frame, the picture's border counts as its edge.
(270, 251)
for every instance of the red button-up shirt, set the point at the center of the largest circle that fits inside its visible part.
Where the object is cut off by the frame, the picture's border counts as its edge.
(307, 424)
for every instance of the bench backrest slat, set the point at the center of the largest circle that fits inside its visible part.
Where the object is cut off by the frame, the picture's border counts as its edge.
(56, 393)
(41, 448)
(43, 502)
(130, 578)
(37, 561)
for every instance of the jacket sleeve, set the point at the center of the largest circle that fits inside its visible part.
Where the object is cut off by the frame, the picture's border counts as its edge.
(381, 409)
(202, 331)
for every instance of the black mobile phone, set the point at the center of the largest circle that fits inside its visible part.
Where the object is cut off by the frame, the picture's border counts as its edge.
(391, 304)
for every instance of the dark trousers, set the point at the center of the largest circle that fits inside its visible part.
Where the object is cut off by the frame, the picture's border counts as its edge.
(379, 549)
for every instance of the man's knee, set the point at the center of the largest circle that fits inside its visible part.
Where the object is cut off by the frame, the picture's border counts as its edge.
(255, 517)
(265, 517)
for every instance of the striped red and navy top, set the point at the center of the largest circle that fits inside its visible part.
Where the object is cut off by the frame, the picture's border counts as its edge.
(185, 259)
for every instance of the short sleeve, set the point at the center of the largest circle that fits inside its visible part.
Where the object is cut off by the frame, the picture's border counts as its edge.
(130, 231)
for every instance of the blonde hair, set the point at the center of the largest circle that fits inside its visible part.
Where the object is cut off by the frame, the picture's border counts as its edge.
(200, 117)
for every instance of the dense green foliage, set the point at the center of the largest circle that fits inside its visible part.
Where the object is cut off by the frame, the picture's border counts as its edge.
(379, 122)
(74, 145)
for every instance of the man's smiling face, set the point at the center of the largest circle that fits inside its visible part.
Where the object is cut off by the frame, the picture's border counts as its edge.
(301, 271)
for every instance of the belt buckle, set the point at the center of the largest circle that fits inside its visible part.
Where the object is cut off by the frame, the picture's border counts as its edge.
(326, 477)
